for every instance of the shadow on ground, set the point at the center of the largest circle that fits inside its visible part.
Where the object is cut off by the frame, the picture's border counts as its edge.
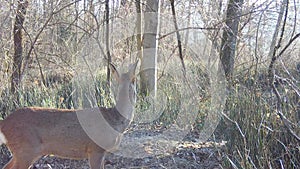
(185, 154)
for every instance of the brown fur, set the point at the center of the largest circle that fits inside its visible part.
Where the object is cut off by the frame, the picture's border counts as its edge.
(34, 131)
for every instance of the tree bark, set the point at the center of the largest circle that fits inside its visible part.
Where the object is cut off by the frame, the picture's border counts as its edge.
(276, 32)
(139, 28)
(18, 48)
(148, 72)
(107, 42)
(229, 38)
(177, 34)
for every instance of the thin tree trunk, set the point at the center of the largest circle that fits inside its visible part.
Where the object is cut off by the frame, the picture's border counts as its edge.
(177, 35)
(107, 42)
(148, 71)
(139, 28)
(229, 38)
(18, 49)
(277, 27)
(187, 25)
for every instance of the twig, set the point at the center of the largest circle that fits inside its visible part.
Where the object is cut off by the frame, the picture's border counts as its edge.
(178, 36)
(285, 121)
(183, 29)
(272, 76)
(33, 42)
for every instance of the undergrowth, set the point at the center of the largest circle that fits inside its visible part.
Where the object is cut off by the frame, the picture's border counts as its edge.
(255, 134)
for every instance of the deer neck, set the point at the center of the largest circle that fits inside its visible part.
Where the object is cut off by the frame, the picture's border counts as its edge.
(124, 104)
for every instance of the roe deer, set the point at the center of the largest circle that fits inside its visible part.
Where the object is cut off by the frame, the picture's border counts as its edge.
(30, 133)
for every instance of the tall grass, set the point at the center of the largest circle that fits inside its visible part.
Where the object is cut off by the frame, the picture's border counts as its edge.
(257, 137)
(67, 95)
(255, 134)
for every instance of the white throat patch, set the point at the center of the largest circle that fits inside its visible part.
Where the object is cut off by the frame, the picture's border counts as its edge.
(2, 139)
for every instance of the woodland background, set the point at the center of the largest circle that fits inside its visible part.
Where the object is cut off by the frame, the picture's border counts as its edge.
(46, 46)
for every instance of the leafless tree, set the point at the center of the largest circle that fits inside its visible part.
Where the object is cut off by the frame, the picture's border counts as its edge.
(229, 38)
(148, 65)
(18, 46)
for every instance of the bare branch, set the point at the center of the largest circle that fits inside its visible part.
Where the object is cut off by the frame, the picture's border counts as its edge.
(187, 28)
(178, 36)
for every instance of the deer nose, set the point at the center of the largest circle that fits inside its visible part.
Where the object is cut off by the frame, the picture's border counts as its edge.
(132, 94)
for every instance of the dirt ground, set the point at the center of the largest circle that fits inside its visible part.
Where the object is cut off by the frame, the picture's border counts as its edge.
(155, 153)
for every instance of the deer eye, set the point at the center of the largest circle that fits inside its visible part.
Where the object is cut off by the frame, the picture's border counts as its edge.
(133, 80)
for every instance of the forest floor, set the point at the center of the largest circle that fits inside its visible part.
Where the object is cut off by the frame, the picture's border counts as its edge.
(184, 154)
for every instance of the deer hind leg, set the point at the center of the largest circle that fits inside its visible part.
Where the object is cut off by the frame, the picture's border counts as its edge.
(96, 160)
(16, 163)
(10, 164)
(22, 158)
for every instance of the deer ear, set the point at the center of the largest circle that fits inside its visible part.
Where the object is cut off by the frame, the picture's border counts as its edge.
(114, 71)
(132, 68)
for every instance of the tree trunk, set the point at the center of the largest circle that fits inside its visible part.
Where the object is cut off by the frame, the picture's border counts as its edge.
(229, 38)
(18, 49)
(177, 34)
(276, 32)
(139, 28)
(148, 70)
(107, 42)
(187, 25)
